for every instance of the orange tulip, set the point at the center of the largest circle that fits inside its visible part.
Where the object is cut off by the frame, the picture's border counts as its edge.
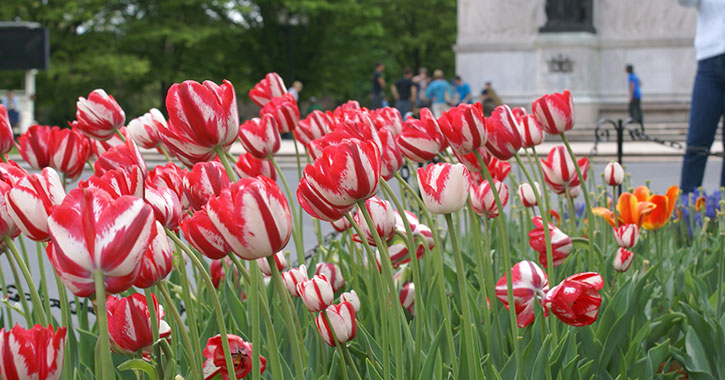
(700, 203)
(630, 210)
(665, 205)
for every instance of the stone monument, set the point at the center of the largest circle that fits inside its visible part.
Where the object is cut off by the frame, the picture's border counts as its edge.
(530, 47)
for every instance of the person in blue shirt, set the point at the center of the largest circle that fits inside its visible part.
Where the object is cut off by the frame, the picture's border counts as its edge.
(635, 95)
(439, 92)
(463, 90)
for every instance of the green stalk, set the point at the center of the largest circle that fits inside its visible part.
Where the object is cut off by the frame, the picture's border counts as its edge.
(119, 134)
(190, 352)
(225, 161)
(346, 352)
(215, 303)
(543, 178)
(254, 310)
(154, 328)
(165, 152)
(340, 354)
(37, 305)
(503, 237)
(8, 320)
(43, 281)
(67, 322)
(463, 289)
(274, 360)
(299, 208)
(21, 291)
(721, 263)
(476, 232)
(190, 309)
(107, 371)
(488, 269)
(296, 237)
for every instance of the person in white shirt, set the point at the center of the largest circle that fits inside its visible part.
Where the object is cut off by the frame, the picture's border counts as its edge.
(708, 95)
(296, 89)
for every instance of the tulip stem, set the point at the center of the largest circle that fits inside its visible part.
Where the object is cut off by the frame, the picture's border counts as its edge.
(503, 237)
(165, 152)
(465, 304)
(189, 305)
(225, 161)
(299, 217)
(215, 303)
(296, 231)
(21, 292)
(587, 201)
(37, 305)
(154, 328)
(119, 134)
(43, 280)
(543, 179)
(107, 371)
(254, 317)
(475, 223)
(190, 352)
(721, 262)
(274, 360)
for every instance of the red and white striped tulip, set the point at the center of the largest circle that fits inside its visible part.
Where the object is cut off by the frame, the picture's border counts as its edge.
(100, 147)
(169, 176)
(270, 87)
(464, 127)
(390, 155)
(253, 216)
(483, 200)
(561, 244)
(529, 285)
(315, 205)
(575, 301)
(529, 128)
(407, 297)
(7, 225)
(293, 277)
(444, 187)
(32, 199)
(118, 182)
(33, 354)
(6, 131)
(332, 273)
(206, 180)
(202, 117)
(341, 225)
(614, 174)
(260, 137)
(157, 261)
(279, 260)
(129, 323)
(92, 232)
(421, 140)
(383, 217)
(559, 169)
(342, 321)
(249, 166)
(498, 169)
(215, 363)
(144, 130)
(166, 206)
(11, 173)
(124, 156)
(34, 146)
(352, 298)
(284, 110)
(504, 138)
(388, 118)
(622, 259)
(203, 235)
(98, 116)
(316, 293)
(68, 149)
(626, 235)
(314, 126)
(526, 193)
(555, 112)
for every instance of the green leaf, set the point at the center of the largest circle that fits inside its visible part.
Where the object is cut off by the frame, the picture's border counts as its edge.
(139, 365)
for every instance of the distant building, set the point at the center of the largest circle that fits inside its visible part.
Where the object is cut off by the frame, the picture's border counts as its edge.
(531, 47)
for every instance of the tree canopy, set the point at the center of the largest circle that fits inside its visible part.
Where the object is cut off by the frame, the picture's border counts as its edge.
(135, 49)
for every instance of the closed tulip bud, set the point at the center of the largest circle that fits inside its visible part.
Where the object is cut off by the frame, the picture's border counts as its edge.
(169, 176)
(575, 301)
(284, 110)
(129, 323)
(36, 353)
(205, 181)
(561, 244)
(383, 218)
(407, 297)
(483, 201)
(464, 128)
(622, 259)
(498, 169)
(293, 277)
(504, 139)
(92, 232)
(99, 115)
(613, 174)
(270, 87)
(202, 235)
(529, 285)
(202, 117)
(526, 193)
(118, 182)
(34, 146)
(332, 273)
(248, 166)
(387, 118)
(31, 200)
(390, 156)
(316, 293)
(124, 156)
(260, 137)
(144, 130)
(529, 128)
(421, 140)
(315, 205)
(341, 320)
(352, 298)
(626, 235)
(444, 187)
(555, 112)
(279, 260)
(559, 169)
(314, 126)
(253, 216)
(241, 352)
(166, 205)
(341, 225)
(6, 131)
(157, 261)
(69, 150)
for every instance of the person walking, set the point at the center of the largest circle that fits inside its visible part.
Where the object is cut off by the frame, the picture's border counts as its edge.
(295, 90)
(404, 92)
(421, 82)
(463, 90)
(635, 95)
(439, 93)
(489, 99)
(708, 94)
(378, 86)
(11, 104)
